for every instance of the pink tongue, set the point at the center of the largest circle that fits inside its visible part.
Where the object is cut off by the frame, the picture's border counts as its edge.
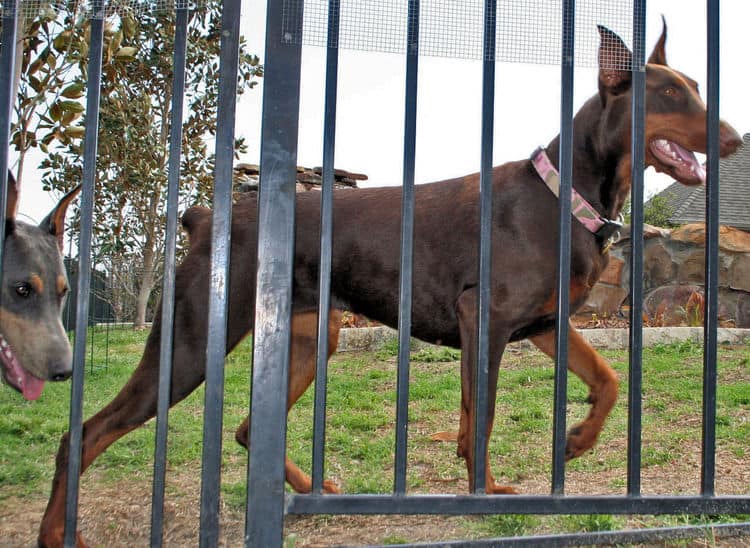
(32, 387)
(685, 154)
(689, 158)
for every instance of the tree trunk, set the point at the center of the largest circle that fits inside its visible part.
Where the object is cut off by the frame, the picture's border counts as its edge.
(147, 283)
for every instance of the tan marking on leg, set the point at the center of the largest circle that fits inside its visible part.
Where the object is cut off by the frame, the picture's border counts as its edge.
(302, 367)
(585, 362)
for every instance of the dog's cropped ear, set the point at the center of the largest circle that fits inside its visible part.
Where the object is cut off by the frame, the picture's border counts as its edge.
(615, 62)
(54, 223)
(659, 55)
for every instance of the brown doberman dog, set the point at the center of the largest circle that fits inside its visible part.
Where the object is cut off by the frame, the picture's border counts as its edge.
(33, 345)
(366, 258)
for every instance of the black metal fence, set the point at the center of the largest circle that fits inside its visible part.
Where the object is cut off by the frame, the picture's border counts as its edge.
(267, 503)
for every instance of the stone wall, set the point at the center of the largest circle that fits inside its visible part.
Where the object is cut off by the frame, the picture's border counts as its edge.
(673, 277)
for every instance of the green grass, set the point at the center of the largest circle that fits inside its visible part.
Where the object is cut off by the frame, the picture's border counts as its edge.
(360, 434)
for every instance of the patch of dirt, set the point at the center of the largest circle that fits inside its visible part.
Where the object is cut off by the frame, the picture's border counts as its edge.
(592, 321)
(118, 513)
(115, 514)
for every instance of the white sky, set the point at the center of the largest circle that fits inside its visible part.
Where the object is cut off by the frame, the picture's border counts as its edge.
(371, 96)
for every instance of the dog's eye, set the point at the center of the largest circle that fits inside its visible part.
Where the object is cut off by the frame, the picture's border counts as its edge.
(23, 289)
(670, 91)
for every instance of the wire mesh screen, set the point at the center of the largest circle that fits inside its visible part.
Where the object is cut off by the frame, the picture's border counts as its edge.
(96, 9)
(528, 31)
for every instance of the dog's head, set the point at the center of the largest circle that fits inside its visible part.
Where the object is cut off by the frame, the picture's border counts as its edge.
(675, 113)
(33, 345)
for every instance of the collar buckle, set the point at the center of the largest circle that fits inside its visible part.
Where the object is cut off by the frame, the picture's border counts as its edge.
(610, 232)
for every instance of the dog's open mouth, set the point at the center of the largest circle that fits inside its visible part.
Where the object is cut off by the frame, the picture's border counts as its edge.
(16, 376)
(678, 162)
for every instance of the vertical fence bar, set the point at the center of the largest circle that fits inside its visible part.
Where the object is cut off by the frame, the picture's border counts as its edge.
(407, 247)
(96, 20)
(710, 322)
(485, 246)
(276, 210)
(636, 249)
(7, 94)
(167, 311)
(326, 245)
(563, 265)
(221, 230)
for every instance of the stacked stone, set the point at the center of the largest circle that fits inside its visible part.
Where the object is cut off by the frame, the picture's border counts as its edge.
(673, 277)
(246, 178)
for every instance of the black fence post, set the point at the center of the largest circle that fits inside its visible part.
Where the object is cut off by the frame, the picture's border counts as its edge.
(485, 246)
(636, 249)
(7, 96)
(96, 20)
(407, 247)
(167, 311)
(562, 321)
(710, 323)
(221, 231)
(326, 246)
(276, 216)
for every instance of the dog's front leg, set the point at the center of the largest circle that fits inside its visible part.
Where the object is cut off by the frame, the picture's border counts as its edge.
(467, 318)
(302, 367)
(601, 379)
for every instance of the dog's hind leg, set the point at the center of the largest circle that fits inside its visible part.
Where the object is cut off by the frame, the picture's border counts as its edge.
(301, 374)
(601, 379)
(134, 405)
(467, 318)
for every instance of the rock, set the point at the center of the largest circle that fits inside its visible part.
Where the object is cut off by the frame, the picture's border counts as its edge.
(342, 173)
(672, 305)
(604, 300)
(649, 232)
(658, 266)
(612, 274)
(742, 312)
(730, 239)
(739, 273)
(666, 305)
(692, 268)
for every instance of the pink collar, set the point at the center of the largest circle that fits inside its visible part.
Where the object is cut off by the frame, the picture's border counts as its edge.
(586, 214)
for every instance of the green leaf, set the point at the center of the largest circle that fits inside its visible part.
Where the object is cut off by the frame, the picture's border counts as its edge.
(55, 112)
(71, 106)
(128, 27)
(126, 53)
(116, 41)
(62, 41)
(73, 91)
(75, 132)
(35, 84)
(68, 117)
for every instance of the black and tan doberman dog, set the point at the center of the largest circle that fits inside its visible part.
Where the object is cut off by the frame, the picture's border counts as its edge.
(366, 258)
(33, 345)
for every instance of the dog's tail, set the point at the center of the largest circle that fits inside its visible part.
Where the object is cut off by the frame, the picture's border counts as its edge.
(193, 218)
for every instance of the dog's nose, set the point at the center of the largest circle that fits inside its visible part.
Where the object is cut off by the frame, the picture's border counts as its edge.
(60, 371)
(729, 139)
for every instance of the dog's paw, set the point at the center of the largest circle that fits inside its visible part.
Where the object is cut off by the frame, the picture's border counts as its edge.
(444, 436)
(496, 489)
(580, 439)
(51, 540)
(331, 488)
